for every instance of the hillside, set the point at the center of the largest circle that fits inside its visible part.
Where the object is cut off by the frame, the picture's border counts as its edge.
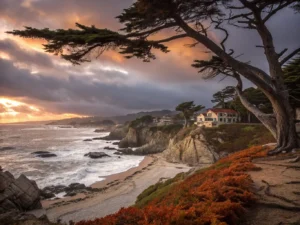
(98, 120)
(219, 195)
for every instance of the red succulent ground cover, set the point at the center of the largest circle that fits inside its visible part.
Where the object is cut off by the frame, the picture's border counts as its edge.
(217, 195)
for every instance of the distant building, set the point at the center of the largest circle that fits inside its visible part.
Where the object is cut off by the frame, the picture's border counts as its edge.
(162, 121)
(214, 117)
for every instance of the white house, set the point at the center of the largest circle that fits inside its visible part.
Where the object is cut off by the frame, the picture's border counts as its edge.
(215, 117)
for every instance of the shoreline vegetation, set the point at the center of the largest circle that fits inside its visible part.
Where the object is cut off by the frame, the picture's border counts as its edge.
(161, 190)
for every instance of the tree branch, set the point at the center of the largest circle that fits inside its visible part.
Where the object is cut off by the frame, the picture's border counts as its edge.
(288, 57)
(148, 32)
(172, 38)
(267, 119)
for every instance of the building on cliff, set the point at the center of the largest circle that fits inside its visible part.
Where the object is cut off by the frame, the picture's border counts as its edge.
(214, 117)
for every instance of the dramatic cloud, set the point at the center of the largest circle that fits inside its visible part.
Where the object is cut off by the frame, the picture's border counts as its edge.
(110, 85)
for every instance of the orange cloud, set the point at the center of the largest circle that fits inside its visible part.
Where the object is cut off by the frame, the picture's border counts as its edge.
(12, 111)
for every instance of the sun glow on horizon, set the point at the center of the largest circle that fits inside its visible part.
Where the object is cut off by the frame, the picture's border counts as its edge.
(13, 111)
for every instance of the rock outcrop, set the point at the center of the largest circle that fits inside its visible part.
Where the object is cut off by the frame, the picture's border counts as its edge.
(19, 194)
(146, 139)
(118, 133)
(96, 155)
(191, 148)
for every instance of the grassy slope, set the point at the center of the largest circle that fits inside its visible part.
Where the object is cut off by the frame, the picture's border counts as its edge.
(235, 137)
(216, 195)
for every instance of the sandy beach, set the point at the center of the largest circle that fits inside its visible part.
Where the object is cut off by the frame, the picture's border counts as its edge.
(118, 190)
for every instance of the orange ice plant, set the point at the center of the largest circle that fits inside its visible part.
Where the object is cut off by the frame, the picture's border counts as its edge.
(214, 196)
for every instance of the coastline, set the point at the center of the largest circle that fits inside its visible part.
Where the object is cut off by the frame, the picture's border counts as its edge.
(117, 191)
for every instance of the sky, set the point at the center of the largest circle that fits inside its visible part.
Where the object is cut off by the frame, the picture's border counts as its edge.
(35, 85)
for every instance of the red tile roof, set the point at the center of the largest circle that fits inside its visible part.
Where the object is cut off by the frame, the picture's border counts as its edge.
(215, 110)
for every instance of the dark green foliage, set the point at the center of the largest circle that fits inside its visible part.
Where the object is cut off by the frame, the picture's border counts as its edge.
(168, 129)
(292, 80)
(142, 121)
(78, 46)
(188, 109)
(237, 136)
(221, 97)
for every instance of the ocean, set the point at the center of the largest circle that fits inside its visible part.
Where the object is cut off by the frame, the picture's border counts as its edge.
(70, 165)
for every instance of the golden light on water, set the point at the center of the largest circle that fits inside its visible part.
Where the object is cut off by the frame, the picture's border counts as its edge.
(13, 111)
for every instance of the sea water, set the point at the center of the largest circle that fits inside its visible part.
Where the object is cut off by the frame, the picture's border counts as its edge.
(70, 165)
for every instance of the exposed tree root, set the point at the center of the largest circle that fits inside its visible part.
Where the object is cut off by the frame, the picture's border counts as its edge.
(293, 182)
(297, 159)
(279, 206)
(268, 193)
(272, 164)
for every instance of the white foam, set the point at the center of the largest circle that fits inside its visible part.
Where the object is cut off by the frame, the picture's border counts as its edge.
(70, 165)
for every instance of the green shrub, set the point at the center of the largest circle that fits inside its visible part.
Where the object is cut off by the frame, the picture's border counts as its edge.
(237, 136)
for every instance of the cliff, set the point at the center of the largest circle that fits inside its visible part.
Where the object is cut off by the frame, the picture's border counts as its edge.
(117, 133)
(191, 147)
(148, 139)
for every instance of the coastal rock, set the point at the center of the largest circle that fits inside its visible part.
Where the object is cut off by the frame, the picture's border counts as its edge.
(47, 194)
(125, 151)
(118, 133)
(96, 155)
(55, 189)
(192, 149)
(99, 130)
(130, 140)
(88, 139)
(116, 143)
(46, 155)
(75, 186)
(98, 138)
(19, 194)
(7, 148)
(109, 148)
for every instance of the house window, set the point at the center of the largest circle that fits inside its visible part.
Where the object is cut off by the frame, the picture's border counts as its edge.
(229, 120)
(200, 119)
(221, 119)
(221, 114)
(209, 114)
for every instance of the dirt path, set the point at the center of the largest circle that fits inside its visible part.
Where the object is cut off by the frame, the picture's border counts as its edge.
(277, 185)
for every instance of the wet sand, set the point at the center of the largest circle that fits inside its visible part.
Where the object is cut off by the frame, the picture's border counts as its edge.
(118, 190)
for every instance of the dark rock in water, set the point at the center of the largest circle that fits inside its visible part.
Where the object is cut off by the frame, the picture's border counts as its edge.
(70, 194)
(109, 148)
(116, 143)
(126, 151)
(96, 155)
(46, 155)
(47, 194)
(98, 138)
(19, 194)
(43, 154)
(40, 152)
(75, 186)
(118, 153)
(7, 148)
(99, 130)
(55, 189)
(87, 140)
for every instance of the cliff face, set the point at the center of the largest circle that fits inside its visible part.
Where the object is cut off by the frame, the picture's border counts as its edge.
(190, 148)
(147, 140)
(117, 133)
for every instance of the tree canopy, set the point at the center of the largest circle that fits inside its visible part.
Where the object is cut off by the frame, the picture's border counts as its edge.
(177, 19)
(188, 109)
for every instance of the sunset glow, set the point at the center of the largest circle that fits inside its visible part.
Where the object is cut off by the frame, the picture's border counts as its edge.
(13, 111)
